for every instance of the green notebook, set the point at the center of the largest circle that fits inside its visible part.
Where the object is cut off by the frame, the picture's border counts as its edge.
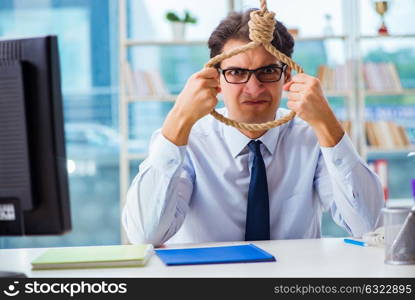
(94, 256)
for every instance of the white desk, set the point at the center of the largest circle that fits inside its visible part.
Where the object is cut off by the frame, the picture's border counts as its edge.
(295, 258)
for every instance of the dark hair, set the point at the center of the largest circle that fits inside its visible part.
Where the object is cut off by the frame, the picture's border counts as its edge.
(235, 26)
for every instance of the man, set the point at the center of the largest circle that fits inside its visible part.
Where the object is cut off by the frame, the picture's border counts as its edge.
(204, 181)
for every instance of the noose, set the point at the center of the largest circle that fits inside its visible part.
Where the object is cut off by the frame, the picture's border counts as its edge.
(261, 32)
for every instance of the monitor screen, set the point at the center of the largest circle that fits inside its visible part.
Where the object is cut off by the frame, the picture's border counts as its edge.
(34, 193)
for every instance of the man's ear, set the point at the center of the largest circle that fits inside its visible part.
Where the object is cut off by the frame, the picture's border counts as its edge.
(287, 75)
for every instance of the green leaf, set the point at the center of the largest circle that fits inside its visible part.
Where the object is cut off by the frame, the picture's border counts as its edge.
(172, 17)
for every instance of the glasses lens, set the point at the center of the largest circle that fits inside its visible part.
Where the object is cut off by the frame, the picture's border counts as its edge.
(269, 74)
(236, 75)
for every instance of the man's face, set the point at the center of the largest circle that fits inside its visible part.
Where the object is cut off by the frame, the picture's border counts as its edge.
(254, 101)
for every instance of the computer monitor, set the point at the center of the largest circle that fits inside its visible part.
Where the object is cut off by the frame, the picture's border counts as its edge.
(34, 194)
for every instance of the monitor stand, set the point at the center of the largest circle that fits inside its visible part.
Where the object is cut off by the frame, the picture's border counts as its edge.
(9, 274)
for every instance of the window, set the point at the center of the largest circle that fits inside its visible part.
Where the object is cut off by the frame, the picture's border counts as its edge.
(87, 33)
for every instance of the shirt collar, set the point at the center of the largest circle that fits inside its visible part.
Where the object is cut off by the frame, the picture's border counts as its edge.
(237, 141)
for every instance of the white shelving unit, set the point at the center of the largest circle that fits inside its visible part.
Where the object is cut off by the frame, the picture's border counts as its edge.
(365, 150)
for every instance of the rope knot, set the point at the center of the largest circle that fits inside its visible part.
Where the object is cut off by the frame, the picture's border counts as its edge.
(261, 26)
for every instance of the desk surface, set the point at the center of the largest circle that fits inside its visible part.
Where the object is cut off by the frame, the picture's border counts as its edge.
(329, 257)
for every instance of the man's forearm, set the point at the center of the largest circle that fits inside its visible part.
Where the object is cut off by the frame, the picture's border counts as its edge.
(356, 190)
(329, 132)
(176, 128)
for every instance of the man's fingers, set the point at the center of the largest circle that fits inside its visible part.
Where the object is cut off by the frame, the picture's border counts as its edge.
(211, 83)
(286, 86)
(292, 105)
(301, 78)
(294, 97)
(208, 73)
(297, 87)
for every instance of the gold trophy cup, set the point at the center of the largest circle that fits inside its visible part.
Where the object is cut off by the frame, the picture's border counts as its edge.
(381, 8)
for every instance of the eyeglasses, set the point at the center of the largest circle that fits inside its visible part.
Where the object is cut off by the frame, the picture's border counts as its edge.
(271, 73)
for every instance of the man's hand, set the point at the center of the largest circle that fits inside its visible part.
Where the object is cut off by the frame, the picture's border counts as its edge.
(306, 98)
(196, 100)
(198, 96)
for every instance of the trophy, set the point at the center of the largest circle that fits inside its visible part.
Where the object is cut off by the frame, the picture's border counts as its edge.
(381, 8)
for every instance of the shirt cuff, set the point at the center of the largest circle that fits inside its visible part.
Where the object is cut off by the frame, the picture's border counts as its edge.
(341, 157)
(166, 156)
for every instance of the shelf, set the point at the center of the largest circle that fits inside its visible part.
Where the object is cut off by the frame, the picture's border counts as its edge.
(161, 98)
(133, 43)
(136, 156)
(390, 92)
(327, 94)
(332, 93)
(391, 36)
(319, 38)
(389, 151)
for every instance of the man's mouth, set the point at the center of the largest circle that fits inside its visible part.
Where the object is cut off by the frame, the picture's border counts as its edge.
(255, 102)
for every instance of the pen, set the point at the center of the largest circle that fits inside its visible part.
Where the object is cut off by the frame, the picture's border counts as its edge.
(353, 242)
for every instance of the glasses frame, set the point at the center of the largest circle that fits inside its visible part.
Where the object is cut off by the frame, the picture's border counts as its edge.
(282, 68)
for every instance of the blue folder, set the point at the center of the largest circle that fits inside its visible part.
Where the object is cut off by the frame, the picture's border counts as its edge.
(214, 255)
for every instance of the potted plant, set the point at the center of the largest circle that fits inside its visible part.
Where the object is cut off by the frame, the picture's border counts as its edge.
(179, 23)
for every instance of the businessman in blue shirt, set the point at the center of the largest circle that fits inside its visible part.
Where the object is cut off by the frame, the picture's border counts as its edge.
(204, 181)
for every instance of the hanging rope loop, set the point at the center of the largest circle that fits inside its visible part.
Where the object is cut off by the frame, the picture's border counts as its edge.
(261, 32)
(261, 26)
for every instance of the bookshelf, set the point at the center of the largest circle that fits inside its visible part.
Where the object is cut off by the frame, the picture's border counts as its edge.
(395, 105)
(381, 96)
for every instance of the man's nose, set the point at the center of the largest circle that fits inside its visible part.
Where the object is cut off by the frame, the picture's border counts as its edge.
(254, 87)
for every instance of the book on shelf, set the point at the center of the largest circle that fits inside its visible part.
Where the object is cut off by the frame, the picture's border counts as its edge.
(377, 77)
(333, 78)
(141, 83)
(386, 134)
(380, 167)
(381, 77)
(130, 83)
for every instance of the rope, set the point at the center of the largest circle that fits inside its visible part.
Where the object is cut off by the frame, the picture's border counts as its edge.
(261, 32)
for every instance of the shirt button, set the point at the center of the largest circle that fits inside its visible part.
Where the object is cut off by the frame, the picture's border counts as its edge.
(338, 161)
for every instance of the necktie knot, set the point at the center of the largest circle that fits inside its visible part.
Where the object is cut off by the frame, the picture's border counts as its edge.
(254, 146)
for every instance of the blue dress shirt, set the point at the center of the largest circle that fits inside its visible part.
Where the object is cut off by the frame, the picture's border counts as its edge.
(198, 192)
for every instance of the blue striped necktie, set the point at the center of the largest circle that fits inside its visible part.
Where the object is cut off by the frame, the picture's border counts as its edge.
(257, 216)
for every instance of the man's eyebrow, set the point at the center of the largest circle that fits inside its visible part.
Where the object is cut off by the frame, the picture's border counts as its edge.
(235, 67)
(278, 64)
